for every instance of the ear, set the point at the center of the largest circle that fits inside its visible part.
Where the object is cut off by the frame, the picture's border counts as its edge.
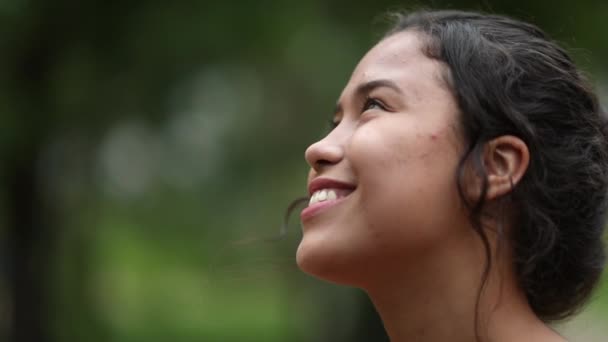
(506, 159)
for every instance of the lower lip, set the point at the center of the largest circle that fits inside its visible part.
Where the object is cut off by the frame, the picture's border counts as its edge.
(315, 209)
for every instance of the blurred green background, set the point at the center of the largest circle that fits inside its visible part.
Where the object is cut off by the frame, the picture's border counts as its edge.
(149, 148)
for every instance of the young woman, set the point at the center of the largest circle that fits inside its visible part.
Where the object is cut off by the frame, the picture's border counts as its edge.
(463, 185)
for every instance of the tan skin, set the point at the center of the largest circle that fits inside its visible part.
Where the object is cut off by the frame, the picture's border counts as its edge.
(402, 234)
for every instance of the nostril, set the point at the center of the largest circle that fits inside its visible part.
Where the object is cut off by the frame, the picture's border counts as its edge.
(322, 163)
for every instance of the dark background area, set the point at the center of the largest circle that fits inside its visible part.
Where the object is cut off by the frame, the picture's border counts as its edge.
(149, 147)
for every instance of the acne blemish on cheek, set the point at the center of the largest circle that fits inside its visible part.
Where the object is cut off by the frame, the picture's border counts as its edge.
(433, 136)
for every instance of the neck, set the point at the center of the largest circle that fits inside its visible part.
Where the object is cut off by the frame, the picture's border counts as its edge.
(437, 300)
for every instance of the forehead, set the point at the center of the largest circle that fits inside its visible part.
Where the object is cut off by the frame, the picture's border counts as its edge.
(399, 58)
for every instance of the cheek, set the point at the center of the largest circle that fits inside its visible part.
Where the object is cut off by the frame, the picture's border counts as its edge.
(407, 182)
(397, 151)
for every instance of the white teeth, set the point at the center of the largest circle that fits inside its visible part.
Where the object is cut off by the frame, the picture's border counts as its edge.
(313, 198)
(323, 195)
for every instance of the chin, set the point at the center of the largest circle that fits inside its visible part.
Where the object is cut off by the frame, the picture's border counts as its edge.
(329, 264)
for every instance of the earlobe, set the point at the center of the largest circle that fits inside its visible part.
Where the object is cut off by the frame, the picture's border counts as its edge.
(506, 160)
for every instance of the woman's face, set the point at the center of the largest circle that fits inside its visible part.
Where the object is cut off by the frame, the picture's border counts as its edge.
(383, 181)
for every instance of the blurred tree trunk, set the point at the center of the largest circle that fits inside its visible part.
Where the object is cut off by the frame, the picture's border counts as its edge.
(31, 240)
(29, 223)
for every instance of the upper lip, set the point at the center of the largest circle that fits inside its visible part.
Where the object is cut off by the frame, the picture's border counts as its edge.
(327, 183)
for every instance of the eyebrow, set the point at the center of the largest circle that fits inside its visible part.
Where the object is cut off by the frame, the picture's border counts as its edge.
(367, 87)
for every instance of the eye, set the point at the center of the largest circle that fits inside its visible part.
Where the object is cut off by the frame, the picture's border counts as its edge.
(373, 103)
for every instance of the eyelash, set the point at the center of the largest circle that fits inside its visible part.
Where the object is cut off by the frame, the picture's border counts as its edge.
(369, 101)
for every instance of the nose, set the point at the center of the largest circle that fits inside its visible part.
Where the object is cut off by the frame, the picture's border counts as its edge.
(324, 153)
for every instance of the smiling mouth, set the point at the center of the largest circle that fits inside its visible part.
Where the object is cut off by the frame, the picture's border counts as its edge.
(327, 195)
(323, 199)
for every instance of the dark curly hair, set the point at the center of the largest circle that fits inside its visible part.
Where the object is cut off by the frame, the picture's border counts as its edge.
(509, 78)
